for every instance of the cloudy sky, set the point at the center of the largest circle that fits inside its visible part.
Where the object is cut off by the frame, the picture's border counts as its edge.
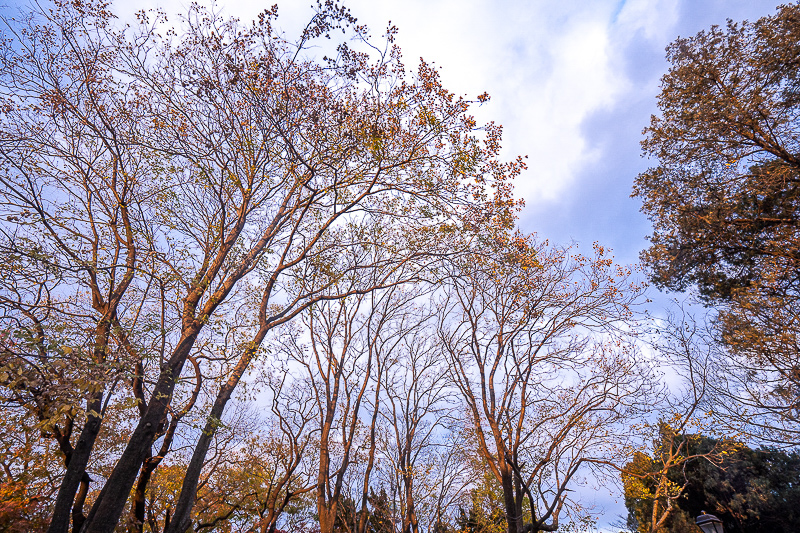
(572, 81)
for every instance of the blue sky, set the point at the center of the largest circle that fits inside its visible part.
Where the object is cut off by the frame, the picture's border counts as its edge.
(573, 82)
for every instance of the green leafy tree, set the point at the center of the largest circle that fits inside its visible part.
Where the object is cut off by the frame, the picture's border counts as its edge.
(654, 486)
(750, 490)
(485, 513)
(724, 195)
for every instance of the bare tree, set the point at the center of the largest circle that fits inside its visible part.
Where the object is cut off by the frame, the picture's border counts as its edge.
(449, 478)
(350, 340)
(533, 337)
(417, 408)
(754, 378)
(74, 236)
(172, 172)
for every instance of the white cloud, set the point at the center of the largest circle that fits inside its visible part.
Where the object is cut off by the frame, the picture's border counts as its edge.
(656, 18)
(544, 110)
(547, 65)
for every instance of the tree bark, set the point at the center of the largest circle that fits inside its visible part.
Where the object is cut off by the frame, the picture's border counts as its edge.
(508, 499)
(139, 494)
(76, 468)
(327, 516)
(78, 518)
(412, 525)
(110, 503)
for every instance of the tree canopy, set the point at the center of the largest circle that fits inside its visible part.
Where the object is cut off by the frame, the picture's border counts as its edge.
(170, 195)
(724, 195)
(255, 282)
(724, 199)
(750, 490)
(237, 278)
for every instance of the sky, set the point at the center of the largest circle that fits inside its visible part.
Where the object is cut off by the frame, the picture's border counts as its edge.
(573, 82)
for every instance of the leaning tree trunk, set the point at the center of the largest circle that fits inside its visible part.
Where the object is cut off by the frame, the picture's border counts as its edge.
(110, 503)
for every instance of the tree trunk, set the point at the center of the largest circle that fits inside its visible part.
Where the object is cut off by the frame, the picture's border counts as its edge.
(139, 494)
(78, 518)
(111, 501)
(76, 468)
(181, 518)
(412, 525)
(510, 502)
(327, 517)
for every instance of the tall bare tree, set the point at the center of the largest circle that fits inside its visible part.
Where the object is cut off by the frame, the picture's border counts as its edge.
(350, 341)
(417, 406)
(660, 481)
(172, 171)
(75, 238)
(531, 333)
